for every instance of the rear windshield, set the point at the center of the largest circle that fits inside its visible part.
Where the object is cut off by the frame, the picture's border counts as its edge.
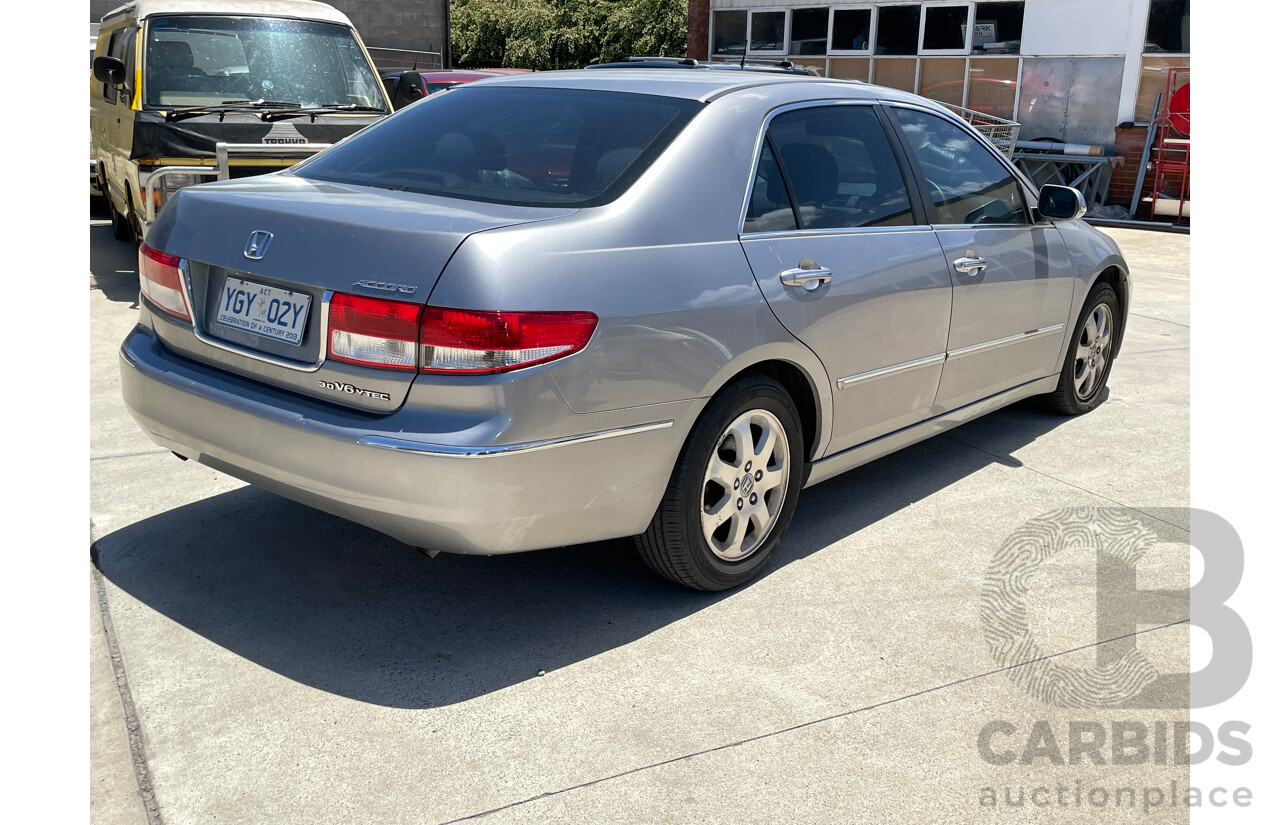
(511, 145)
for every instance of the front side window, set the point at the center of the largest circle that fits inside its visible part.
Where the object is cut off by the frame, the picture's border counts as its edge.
(967, 184)
(510, 145)
(839, 168)
(202, 60)
(115, 47)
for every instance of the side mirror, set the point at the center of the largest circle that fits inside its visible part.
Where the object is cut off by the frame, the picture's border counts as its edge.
(108, 69)
(408, 90)
(1061, 202)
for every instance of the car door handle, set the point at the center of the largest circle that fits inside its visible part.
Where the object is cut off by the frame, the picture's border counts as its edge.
(808, 275)
(969, 265)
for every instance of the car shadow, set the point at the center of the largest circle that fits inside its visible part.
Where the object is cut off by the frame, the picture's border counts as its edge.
(344, 609)
(113, 265)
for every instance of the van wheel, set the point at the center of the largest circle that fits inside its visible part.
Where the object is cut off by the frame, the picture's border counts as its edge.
(733, 490)
(120, 226)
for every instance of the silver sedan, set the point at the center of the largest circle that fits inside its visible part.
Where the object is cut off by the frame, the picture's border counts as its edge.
(571, 306)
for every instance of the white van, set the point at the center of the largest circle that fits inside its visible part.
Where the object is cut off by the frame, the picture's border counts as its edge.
(191, 90)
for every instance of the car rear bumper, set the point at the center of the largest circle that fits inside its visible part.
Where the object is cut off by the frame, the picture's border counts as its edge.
(424, 489)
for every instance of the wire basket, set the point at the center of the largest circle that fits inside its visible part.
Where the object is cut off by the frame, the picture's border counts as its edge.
(1000, 133)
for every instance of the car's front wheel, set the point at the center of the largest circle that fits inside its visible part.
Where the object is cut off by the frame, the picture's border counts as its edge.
(1088, 364)
(733, 490)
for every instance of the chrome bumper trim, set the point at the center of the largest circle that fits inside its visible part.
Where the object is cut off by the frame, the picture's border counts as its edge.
(450, 451)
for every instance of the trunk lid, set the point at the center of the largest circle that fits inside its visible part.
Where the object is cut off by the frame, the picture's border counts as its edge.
(323, 237)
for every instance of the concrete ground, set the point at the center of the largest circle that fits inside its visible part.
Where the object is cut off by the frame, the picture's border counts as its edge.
(255, 661)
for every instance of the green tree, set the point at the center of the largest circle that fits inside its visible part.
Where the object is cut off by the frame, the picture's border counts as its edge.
(549, 34)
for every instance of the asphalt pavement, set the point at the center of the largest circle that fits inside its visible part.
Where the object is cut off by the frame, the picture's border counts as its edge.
(256, 661)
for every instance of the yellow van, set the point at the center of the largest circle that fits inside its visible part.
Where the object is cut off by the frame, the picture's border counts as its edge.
(186, 91)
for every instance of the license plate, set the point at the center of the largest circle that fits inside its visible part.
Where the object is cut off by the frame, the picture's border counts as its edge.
(269, 311)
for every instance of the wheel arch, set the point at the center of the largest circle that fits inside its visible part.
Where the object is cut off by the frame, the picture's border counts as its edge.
(1115, 276)
(801, 383)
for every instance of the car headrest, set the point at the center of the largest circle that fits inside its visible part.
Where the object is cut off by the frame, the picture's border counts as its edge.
(814, 175)
(172, 54)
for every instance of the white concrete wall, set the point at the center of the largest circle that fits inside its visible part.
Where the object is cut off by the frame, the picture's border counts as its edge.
(1080, 27)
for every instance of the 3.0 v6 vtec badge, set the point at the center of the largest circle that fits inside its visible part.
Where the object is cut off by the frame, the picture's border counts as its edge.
(338, 386)
(387, 286)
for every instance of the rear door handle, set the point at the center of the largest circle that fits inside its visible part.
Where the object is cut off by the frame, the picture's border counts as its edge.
(808, 275)
(969, 265)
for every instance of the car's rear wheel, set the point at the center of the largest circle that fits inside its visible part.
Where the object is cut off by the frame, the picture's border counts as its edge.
(733, 490)
(1088, 364)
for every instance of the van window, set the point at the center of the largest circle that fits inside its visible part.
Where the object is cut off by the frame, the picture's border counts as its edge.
(113, 48)
(197, 60)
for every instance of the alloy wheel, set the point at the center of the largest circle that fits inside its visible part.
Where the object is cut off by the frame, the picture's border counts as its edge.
(1093, 351)
(745, 485)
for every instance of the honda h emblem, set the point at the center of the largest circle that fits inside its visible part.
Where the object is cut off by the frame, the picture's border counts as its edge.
(257, 244)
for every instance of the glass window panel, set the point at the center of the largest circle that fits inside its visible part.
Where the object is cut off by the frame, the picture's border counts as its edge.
(769, 209)
(518, 146)
(768, 31)
(1169, 26)
(997, 28)
(942, 79)
(993, 85)
(966, 182)
(841, 168)
(729, 32)
(898, 31)
(944, 27)
(851, 30)
(809, 31)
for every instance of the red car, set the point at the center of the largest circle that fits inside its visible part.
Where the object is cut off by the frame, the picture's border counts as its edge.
(418, 85)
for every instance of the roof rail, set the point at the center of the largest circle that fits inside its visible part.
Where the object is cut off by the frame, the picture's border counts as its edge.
(657, 62)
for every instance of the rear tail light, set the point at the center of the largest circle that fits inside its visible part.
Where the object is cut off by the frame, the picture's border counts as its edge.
(161, 281)
(373, 332)
(464, 341)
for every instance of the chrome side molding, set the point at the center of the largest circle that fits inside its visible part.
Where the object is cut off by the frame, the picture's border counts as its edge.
(907, 366)
(930, 360)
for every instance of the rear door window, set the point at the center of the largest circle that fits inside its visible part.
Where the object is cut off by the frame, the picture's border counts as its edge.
(839, 168)
(512, 145)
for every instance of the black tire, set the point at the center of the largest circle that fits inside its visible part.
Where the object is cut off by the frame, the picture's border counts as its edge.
(121, 229)
(1083, 380)
(675, 545)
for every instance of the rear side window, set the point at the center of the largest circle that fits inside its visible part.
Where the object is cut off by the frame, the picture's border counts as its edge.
(840, 169)
(511, 145)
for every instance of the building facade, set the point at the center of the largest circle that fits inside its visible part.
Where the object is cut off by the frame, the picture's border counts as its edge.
(1080, 71)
